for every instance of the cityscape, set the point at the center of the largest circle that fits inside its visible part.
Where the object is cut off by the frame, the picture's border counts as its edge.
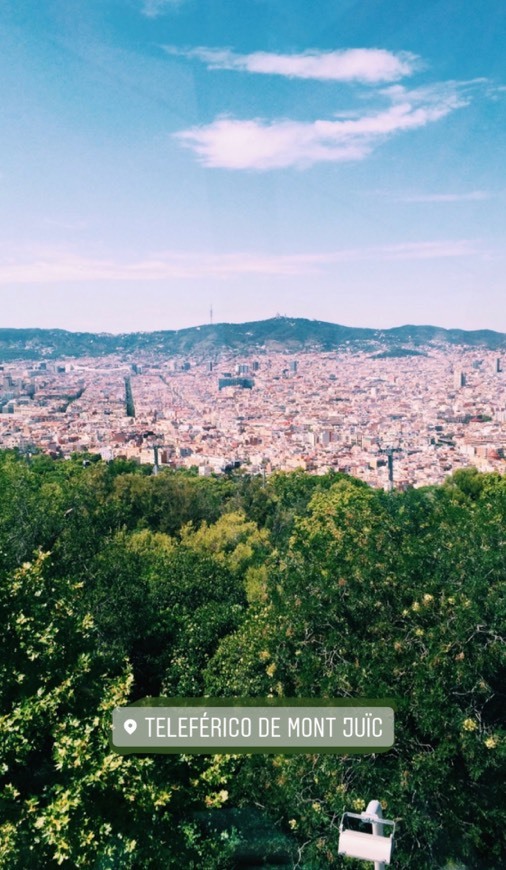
(393, 421)
(252, 435)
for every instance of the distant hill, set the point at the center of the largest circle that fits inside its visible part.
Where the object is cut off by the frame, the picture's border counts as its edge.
(278, 333)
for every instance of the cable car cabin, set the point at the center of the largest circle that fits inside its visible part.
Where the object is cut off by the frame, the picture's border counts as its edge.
(368, 847)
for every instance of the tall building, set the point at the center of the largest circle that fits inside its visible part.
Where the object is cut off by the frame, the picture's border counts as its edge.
(459, 379)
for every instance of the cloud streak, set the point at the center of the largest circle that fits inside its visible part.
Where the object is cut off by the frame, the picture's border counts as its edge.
(55, 266)
(365, 65)
(156, 8)
(471, 196)
(257, 144)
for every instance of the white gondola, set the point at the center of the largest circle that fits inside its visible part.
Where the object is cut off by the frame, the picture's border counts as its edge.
(367, 847)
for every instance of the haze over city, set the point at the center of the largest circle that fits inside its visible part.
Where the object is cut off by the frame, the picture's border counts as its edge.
(334, 161)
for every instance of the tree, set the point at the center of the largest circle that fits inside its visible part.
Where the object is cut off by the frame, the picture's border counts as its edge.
(65, 797)
(366, 603)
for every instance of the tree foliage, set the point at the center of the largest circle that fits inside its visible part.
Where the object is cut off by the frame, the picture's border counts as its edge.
(115, 584)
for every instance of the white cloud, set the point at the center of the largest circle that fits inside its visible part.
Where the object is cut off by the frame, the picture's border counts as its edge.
(55, 266)
(155, 8)
(366, 65)
(258, 144)
(471, 196)
(262, 144)
(452, 94)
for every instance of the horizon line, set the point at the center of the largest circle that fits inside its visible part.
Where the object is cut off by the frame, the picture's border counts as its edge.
(248, 323)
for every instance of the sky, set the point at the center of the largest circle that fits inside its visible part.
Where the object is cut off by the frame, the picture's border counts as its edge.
(339, 160)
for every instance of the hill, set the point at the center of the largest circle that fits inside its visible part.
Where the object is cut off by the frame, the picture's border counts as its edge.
(277, 333)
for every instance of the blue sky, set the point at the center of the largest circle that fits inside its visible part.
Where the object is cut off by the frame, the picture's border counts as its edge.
(335, 160)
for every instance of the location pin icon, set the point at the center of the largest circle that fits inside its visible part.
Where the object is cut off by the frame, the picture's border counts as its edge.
(130, 725)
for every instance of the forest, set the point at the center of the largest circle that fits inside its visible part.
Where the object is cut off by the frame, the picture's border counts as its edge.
(116, 583)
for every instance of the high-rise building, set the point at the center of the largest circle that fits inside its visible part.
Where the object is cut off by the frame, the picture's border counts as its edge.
(459, 379)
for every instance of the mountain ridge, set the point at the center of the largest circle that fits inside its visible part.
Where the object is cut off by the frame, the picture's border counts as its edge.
(283, 333)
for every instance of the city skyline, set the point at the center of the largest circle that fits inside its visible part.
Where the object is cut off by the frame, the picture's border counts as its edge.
(430, 413)
(159, 158)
